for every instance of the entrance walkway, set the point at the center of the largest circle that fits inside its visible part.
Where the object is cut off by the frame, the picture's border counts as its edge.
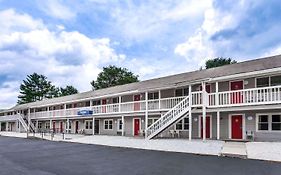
(234, 149)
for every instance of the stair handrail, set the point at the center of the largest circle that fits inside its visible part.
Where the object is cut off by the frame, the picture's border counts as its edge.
(172, 110)
(20, 118)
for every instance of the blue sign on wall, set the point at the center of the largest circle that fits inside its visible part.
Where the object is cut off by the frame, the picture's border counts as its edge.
(85, 112)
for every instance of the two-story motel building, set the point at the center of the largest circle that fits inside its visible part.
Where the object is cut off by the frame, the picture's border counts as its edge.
(229, 102)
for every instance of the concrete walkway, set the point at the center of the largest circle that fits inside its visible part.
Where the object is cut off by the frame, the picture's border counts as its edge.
(234, 149)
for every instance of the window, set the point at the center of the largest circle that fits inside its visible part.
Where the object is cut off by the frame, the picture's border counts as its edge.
(108, 124)
(115, 100)
(119, 125)
(96, 102)
(88, 125)
(181, 92)
(269, 81)
(186, 123)
(179, 125)
(275, 80)
(183, 124)
(269, 122)
(47, 125)
(151, 121)
(153, 96)
(263, 82)
(263, 122)
(39, 125)
(276, 123)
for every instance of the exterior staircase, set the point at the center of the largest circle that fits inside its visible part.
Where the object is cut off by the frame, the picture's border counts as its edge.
(179, 111)
(24, 123)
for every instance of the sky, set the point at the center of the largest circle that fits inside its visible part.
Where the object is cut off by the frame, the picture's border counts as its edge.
(71, 41)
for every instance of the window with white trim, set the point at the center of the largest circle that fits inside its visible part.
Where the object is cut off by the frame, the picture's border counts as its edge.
(153, 95)
(268, 81)
(39, 125)
(151, 121)
(119, 125)
(183, 124)
(269, 122)
(88, 124)
(47, 125)
(108, 124)
(276, 122)
(263, 121)
(181, 92)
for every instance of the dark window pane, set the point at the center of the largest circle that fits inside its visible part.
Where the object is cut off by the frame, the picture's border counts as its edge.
(115, 100)
(185, 92)
(156, 95)
(263, 126)
(179, 92)
(276, 126)
(263, 82)
(263, 118)
(179, 125)
(275, 80)
(276, 118)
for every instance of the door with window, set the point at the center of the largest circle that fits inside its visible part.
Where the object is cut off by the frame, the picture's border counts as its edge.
(137, 104)
(208, 126)
(54, 126)
(236, 97)
(236, 127)
(103, 102)
(61, 127)
(76, 127)
(136, 126)
(97, 126)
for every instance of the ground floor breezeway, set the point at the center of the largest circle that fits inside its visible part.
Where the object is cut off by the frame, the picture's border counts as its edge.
(259, 125)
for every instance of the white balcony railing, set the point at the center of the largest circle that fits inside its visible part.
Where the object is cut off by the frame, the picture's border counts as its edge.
(254, 96)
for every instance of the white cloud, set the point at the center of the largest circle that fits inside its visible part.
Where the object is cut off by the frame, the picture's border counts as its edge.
(56, 9)
(64, 57)
(148, 19)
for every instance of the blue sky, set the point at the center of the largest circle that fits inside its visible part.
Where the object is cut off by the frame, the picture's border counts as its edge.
(70, 41)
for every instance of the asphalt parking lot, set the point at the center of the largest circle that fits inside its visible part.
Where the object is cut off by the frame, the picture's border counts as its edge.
(38, 157)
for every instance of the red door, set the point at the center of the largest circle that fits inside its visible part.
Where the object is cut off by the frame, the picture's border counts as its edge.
(76, 126)
(54, 126)
(208, 127)
(103, 102)
(236, 127)
(236, 97)
(136, 126)
(136, 105)
(61, 127)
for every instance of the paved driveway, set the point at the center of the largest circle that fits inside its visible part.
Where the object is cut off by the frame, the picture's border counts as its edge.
(36, 157)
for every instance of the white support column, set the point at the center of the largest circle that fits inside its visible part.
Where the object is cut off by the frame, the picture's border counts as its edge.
(123, 126)
(36, 128)
(146, 111)
(120, 100)
(67, 126)
(204, 98)
(28, 121)
(190, 114)
(51, 125)
(159, 99)
(7, 126)
(217, 94)
(218, 125)
(93, 125)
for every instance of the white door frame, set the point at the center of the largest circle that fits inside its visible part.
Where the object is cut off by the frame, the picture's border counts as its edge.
(134, 124)
(119, 119)
(99, 125)
(211, 125)
(230, 125)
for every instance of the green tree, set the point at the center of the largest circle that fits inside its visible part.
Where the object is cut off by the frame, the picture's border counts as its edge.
(36, 87)
(68, 90)
(113, 76)
(220, 61)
